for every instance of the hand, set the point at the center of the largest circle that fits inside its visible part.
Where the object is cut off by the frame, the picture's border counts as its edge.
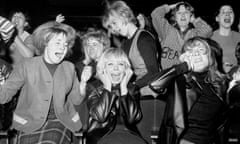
(227, 67)
(192, 18)
(172, 6)
(141, 21)
(236, 78)
(125, 80)
(186, 57)
(4, 74)
(86, 73)
(236, 75)
(60, 18)
(104, 77)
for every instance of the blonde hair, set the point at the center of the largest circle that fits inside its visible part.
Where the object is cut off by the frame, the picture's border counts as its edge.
(116, 53)
(43, 33)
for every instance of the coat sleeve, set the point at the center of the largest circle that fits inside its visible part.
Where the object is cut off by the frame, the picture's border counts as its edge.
(74, 94)
(160, 23)
(100, 104)
(162, 80)
(6, 29)
(202, 28)
(14, 82)
(131, 107)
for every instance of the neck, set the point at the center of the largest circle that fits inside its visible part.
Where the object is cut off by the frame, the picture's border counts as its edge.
(20, 31)
(224, 31)
(131, 30)
(183, 28)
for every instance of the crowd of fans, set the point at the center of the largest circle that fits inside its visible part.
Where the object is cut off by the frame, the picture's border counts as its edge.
(165, 78)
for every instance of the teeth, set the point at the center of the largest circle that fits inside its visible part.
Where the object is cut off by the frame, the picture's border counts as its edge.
(59, 55)
(116, 77)
(227, 20)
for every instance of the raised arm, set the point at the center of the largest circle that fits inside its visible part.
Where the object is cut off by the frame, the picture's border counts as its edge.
(167, 76)
(160, 23)
(201, 27)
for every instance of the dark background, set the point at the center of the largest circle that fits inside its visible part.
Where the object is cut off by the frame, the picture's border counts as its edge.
(84, 13)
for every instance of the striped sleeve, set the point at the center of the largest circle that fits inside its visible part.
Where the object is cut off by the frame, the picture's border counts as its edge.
(6, 29)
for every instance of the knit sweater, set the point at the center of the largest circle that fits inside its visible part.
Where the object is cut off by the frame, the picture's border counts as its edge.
(170, 37)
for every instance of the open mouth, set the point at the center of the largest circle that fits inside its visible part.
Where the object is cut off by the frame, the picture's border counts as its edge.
(116, 78)
(197, 60)
(183, 19)
(59, 55)
(227, 20)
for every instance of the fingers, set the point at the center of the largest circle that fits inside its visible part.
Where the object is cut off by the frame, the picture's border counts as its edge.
(86, 73)
(236, 76)
(141, 20)
(186, 57)
(4, 74)
(60, 18)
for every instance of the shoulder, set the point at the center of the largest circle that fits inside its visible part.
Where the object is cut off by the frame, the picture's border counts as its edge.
(69, 65)
(145, 36)
(32, 61)
(215, 33)
(236, 34)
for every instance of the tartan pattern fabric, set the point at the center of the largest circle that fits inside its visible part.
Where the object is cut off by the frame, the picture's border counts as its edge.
(6, 29)
(53, 132)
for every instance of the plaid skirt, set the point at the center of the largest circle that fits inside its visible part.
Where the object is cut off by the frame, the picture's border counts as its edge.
(53, 132)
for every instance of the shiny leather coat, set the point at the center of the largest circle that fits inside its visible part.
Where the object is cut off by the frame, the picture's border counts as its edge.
(182, 93)
(109, 109)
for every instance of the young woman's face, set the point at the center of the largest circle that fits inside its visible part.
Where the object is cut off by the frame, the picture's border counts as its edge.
(94, 48)
(115, 69)
(19, 19)
(226, 16)
(117, 25)
(56, 49)
(199, 56)
(183, 16)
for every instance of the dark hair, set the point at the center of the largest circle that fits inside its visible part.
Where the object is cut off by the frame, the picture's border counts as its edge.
(221, 6)
(24, 12)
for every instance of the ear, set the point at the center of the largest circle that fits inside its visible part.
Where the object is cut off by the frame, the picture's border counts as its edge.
(26, 24)
(217, 18)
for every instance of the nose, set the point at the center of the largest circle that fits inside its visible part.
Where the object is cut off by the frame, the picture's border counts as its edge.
(62, 47)
(115, 67)
(196, 53)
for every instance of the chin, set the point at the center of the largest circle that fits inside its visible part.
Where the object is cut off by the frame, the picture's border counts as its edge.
(116, 82)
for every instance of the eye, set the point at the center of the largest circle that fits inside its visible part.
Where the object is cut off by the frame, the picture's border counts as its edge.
(58, 43)
(121, 64)
(66, 45)
(109, 64)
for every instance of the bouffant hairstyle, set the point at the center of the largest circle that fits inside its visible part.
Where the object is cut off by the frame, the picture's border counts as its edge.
(43, 33)
(121, 9)
(115, 53)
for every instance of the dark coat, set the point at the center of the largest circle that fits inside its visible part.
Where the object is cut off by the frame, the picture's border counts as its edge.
(109, 111)
(182, 96)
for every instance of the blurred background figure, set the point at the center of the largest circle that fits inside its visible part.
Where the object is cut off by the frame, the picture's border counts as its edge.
(22, 46)
(227, 38)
